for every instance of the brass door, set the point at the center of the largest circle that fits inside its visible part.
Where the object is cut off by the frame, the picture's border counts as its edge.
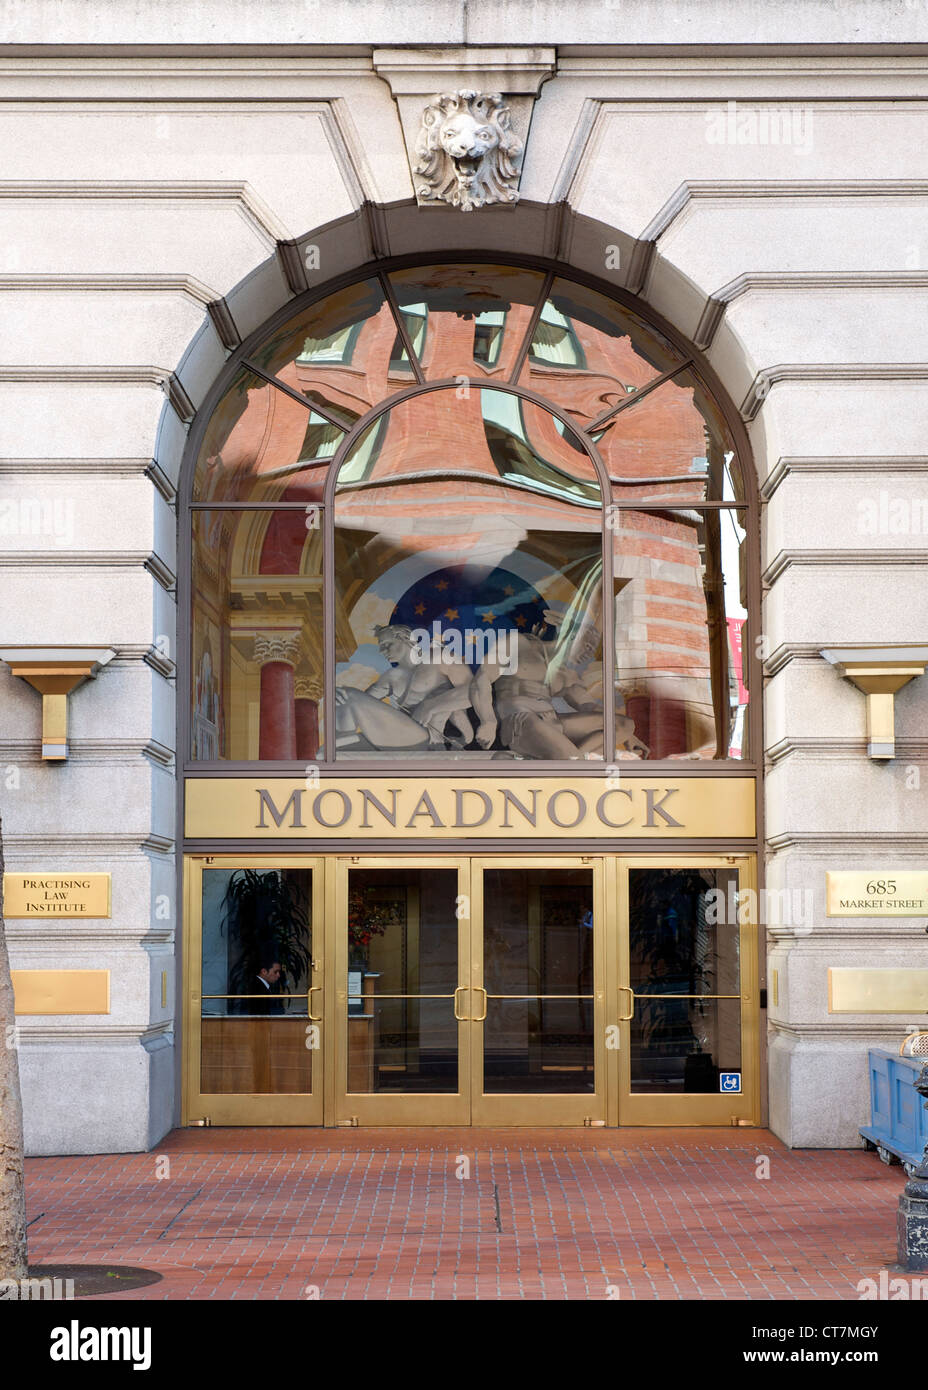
(510, 990)
(537, 991)
(468, 991)
(253, 1009)
(398, 1011)
(685, 1041)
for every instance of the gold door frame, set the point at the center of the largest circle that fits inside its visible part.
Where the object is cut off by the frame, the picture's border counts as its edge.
(231, 1108)
(612, 1103)
(394, 1107)
(695, 1108)
(550, 1110)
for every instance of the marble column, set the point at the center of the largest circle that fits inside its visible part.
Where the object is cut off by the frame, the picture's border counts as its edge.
(277, 655)
(308, 694)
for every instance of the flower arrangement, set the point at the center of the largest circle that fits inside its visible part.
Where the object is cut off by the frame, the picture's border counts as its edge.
(367, 918)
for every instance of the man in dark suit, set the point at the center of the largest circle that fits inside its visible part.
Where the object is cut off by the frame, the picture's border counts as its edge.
(266, 984)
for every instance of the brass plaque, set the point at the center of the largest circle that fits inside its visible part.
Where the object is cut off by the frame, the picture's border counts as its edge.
(449, 808)
(61, 991)
(56, 895)
(877, 893)
(897, 990)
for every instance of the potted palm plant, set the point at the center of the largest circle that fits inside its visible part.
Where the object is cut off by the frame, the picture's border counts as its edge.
(266, 915)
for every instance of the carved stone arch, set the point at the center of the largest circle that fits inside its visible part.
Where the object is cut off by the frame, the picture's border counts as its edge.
(378, 241)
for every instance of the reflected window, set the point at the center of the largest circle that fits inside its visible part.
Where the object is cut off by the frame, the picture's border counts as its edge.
(555, 341)
(415, 319)
(517, 459)
(492, 496)
(334, 347)
(587, 355)
(488, 336)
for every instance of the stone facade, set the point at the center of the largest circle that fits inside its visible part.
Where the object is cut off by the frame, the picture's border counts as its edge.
(175, 173)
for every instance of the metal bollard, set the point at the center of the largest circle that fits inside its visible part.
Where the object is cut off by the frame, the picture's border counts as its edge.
(912, 1220)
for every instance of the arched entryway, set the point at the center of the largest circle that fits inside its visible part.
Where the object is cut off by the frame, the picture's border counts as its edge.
(470, 551)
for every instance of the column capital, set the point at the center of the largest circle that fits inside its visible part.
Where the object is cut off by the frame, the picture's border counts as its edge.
(277, 646)
(308, 688)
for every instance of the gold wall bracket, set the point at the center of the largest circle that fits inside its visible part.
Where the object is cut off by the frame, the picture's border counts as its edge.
(54, 672)
(879, 672)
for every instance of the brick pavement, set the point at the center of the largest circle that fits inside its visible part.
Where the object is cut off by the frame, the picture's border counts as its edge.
(544, 1214)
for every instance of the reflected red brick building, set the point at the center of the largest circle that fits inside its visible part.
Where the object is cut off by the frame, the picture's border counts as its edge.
(464, 474)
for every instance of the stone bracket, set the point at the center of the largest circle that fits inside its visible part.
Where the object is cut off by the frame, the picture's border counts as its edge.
(54, 672)
(879, 672)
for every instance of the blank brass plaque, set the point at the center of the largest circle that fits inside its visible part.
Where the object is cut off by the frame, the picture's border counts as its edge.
(61, 991)
(56, 895)
(888, 991)
(877, 893)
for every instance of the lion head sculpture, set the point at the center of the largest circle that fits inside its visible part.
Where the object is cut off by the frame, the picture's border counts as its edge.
(468, 156)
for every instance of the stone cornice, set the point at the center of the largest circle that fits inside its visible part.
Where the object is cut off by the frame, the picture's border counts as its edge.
(187, 285)
(834, 1030)
(873, 467)
(837, 749)
(882, 842)
(75, 935)
(814, 372)
(774, 281)
(95, 1034)
(44, 847)
(237, 192)
(103, 468)
(821, 939)
(90, 750)
(70, 373)
(90, 560)
(738, 190)
(786, 559)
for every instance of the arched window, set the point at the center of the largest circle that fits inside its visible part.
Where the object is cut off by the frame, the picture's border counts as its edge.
(470, 513)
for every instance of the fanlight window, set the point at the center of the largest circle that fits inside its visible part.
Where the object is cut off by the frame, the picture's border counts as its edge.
(472, 514)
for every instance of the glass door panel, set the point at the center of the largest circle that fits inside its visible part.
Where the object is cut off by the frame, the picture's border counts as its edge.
(402, 943)
(687, 992)
(254, 1019)
(537, 1000)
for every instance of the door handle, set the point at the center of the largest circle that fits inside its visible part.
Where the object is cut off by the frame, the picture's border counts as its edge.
(461, 1018)
(478, 1018)
(313, 1018)
(627, 1018)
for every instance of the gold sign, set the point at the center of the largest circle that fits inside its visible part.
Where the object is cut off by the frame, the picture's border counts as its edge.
(61, 991)
(56, 895)
(877, 893)
(443, 808)
(890, 991)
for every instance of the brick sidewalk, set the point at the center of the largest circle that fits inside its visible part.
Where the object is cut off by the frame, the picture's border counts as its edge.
(544, 1214)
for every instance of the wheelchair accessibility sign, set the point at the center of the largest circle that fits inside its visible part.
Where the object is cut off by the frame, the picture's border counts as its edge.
(730, 1082)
